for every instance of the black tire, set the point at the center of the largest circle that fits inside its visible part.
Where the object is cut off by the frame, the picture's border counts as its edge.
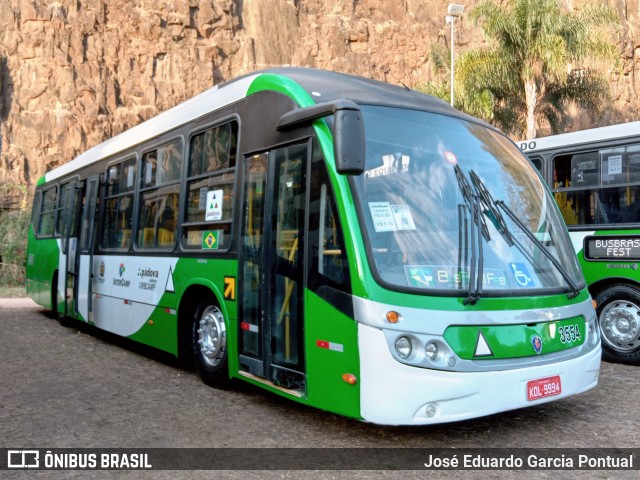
(618, 310)
(209, 344)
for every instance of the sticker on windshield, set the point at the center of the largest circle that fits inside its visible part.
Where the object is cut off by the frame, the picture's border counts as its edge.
(419, 276)
(390, 164)
(403, 217)
(450, 277)
(383, 220)
(521, 274)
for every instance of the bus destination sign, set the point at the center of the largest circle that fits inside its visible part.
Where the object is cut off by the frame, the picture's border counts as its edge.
(623, 248)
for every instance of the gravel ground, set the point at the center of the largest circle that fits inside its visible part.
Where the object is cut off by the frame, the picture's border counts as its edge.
(70, 388)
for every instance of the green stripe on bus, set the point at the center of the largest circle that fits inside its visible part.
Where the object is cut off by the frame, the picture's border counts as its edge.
(477, 342)
(284, 85)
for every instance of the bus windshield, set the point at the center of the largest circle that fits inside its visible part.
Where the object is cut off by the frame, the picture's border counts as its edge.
(451, 205)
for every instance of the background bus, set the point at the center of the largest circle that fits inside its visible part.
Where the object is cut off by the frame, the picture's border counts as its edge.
(595, 178)
(348, 244)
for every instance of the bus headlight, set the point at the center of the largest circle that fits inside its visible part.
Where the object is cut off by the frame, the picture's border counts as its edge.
(431, 350)
(421, 350)
(403, 347)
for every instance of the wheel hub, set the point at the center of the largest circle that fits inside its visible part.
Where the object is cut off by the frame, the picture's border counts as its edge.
(212, 336)
(620, 324)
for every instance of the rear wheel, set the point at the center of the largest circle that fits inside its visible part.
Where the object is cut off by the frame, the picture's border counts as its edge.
(209, 345)
(618, 310)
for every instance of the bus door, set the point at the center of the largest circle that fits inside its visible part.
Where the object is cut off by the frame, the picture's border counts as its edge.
(87, 243)
(72, 199)
(271, 326)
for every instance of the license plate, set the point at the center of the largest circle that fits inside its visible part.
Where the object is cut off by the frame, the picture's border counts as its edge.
(543, 387)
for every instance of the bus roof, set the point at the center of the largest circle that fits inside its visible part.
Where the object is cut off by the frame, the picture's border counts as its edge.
(319, 85)
(327, 86)
(581, 137)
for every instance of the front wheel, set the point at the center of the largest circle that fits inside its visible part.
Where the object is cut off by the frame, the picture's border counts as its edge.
(618, 310)
(209, 345)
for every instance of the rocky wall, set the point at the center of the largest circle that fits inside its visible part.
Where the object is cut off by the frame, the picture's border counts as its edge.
(75, 72)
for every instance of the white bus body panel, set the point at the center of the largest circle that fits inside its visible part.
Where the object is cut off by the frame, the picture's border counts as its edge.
(126, 290)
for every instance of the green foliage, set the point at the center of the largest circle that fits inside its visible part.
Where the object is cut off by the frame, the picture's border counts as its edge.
(14, 227)
(440, 67)
(530, 74)
(478, 103)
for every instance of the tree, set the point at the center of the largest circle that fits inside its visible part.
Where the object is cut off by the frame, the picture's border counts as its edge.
(529, 72)
(476, 102)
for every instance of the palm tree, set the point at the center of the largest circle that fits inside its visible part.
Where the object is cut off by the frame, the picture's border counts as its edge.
(476, 102)
(529, 69)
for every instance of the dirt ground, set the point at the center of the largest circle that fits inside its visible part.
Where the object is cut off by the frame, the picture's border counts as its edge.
(68, 388)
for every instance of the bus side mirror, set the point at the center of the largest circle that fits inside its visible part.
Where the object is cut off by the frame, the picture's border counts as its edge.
(348, 131)
(348, 141)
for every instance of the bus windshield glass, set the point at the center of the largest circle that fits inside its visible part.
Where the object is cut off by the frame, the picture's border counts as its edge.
(450, 205)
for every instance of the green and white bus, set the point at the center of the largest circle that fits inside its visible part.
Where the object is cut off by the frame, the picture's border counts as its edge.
(348, 244)
(595, 178)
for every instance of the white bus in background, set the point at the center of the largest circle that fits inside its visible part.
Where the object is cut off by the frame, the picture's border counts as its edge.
(595, 178)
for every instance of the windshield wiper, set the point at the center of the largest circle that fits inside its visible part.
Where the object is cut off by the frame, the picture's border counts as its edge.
(463, 242)
(481, 203)
(575, 291)
(490, 210)
(476, 264)
(470, 197)
(475, 291)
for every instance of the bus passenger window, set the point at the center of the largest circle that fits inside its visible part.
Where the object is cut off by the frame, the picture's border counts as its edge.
(327, 254)
(597, 187)
(571, 171)
(630, 211)
(113, 184)
(47, 212)
(170, 164)
(218, 149)
(117, 222)
(166, 228)
(196, 154)
(149, 166)
(146, 230)
(160, 196)
(537, 162)
(167, 224)
(210, 187)
(118, 213)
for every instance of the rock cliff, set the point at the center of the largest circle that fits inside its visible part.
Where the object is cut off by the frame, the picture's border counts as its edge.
(75, 72)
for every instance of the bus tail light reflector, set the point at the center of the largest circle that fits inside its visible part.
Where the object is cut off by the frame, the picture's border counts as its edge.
(350, 378)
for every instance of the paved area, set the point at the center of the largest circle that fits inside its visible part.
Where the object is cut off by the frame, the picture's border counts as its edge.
(18, 303)
(68, 387)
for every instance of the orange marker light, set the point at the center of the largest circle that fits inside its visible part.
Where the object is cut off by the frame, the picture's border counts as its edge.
(595, 304)
(393, 317)
(349, 378)
(150, 322)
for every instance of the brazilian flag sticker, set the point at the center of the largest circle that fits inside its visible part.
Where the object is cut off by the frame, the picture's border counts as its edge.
(210, 239)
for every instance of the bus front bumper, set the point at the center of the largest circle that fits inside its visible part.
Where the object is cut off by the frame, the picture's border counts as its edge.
(392, 393)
